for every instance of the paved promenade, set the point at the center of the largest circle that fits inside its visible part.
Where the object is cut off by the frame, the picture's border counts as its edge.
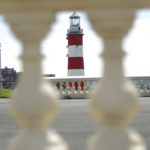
(74, 123)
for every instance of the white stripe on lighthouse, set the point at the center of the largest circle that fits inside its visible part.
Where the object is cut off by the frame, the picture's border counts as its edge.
(76, 72)
(75, 51)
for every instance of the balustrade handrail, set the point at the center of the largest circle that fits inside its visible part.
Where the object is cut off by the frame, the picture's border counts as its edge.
(95, 78)
(71, 78)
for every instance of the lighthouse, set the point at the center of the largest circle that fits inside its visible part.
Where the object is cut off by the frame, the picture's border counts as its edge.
(75, 47)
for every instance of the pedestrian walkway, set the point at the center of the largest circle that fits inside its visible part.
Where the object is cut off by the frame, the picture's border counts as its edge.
(74, 123)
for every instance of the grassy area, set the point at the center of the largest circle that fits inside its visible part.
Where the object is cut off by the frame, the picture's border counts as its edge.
(6, 93)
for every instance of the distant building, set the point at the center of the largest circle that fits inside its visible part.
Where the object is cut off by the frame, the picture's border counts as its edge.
(49, 75)
(8, 78)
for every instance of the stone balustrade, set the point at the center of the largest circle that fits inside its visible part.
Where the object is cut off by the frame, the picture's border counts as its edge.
(81, 87)
(74, 87)
(142, 85)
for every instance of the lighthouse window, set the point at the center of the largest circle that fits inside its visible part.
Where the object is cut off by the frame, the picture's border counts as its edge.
(75, 21)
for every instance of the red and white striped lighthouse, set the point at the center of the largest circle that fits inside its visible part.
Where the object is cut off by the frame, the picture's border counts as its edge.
(75, 47)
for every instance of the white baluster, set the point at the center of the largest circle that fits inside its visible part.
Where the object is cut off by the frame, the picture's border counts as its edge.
(73, 87)
(68, 90)
(138, 87)
(61, 87)
(69, 87)
(88, 86)
(34, 103)
(82, 85)
(145, 87)
(57, 86)
(148, 87)
(64, 87)
(85, 86)
(115, 101)
(91, 87)
(79, 86)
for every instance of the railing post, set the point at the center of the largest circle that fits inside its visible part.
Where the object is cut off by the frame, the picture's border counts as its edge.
(138, 87)
(34, 103)
(145, 87)
(115, 101)
(85, 88)
(79, 86)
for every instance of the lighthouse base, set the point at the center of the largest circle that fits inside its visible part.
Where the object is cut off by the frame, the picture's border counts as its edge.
(76, 72)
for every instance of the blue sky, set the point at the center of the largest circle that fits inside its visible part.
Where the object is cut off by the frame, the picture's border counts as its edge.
(136, 44)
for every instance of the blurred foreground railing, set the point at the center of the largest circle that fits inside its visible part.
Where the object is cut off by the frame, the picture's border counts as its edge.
(81, 87)
(34, 104)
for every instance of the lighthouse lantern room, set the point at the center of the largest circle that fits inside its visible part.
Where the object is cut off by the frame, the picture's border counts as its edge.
(75, 47)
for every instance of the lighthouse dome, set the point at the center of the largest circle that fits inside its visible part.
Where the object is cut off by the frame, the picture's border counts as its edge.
(74, 20)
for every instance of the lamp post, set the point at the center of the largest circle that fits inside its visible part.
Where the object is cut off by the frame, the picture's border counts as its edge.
(0, 72)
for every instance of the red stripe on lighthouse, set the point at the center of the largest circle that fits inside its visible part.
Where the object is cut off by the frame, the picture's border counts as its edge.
(75, 63)
(74, 39)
